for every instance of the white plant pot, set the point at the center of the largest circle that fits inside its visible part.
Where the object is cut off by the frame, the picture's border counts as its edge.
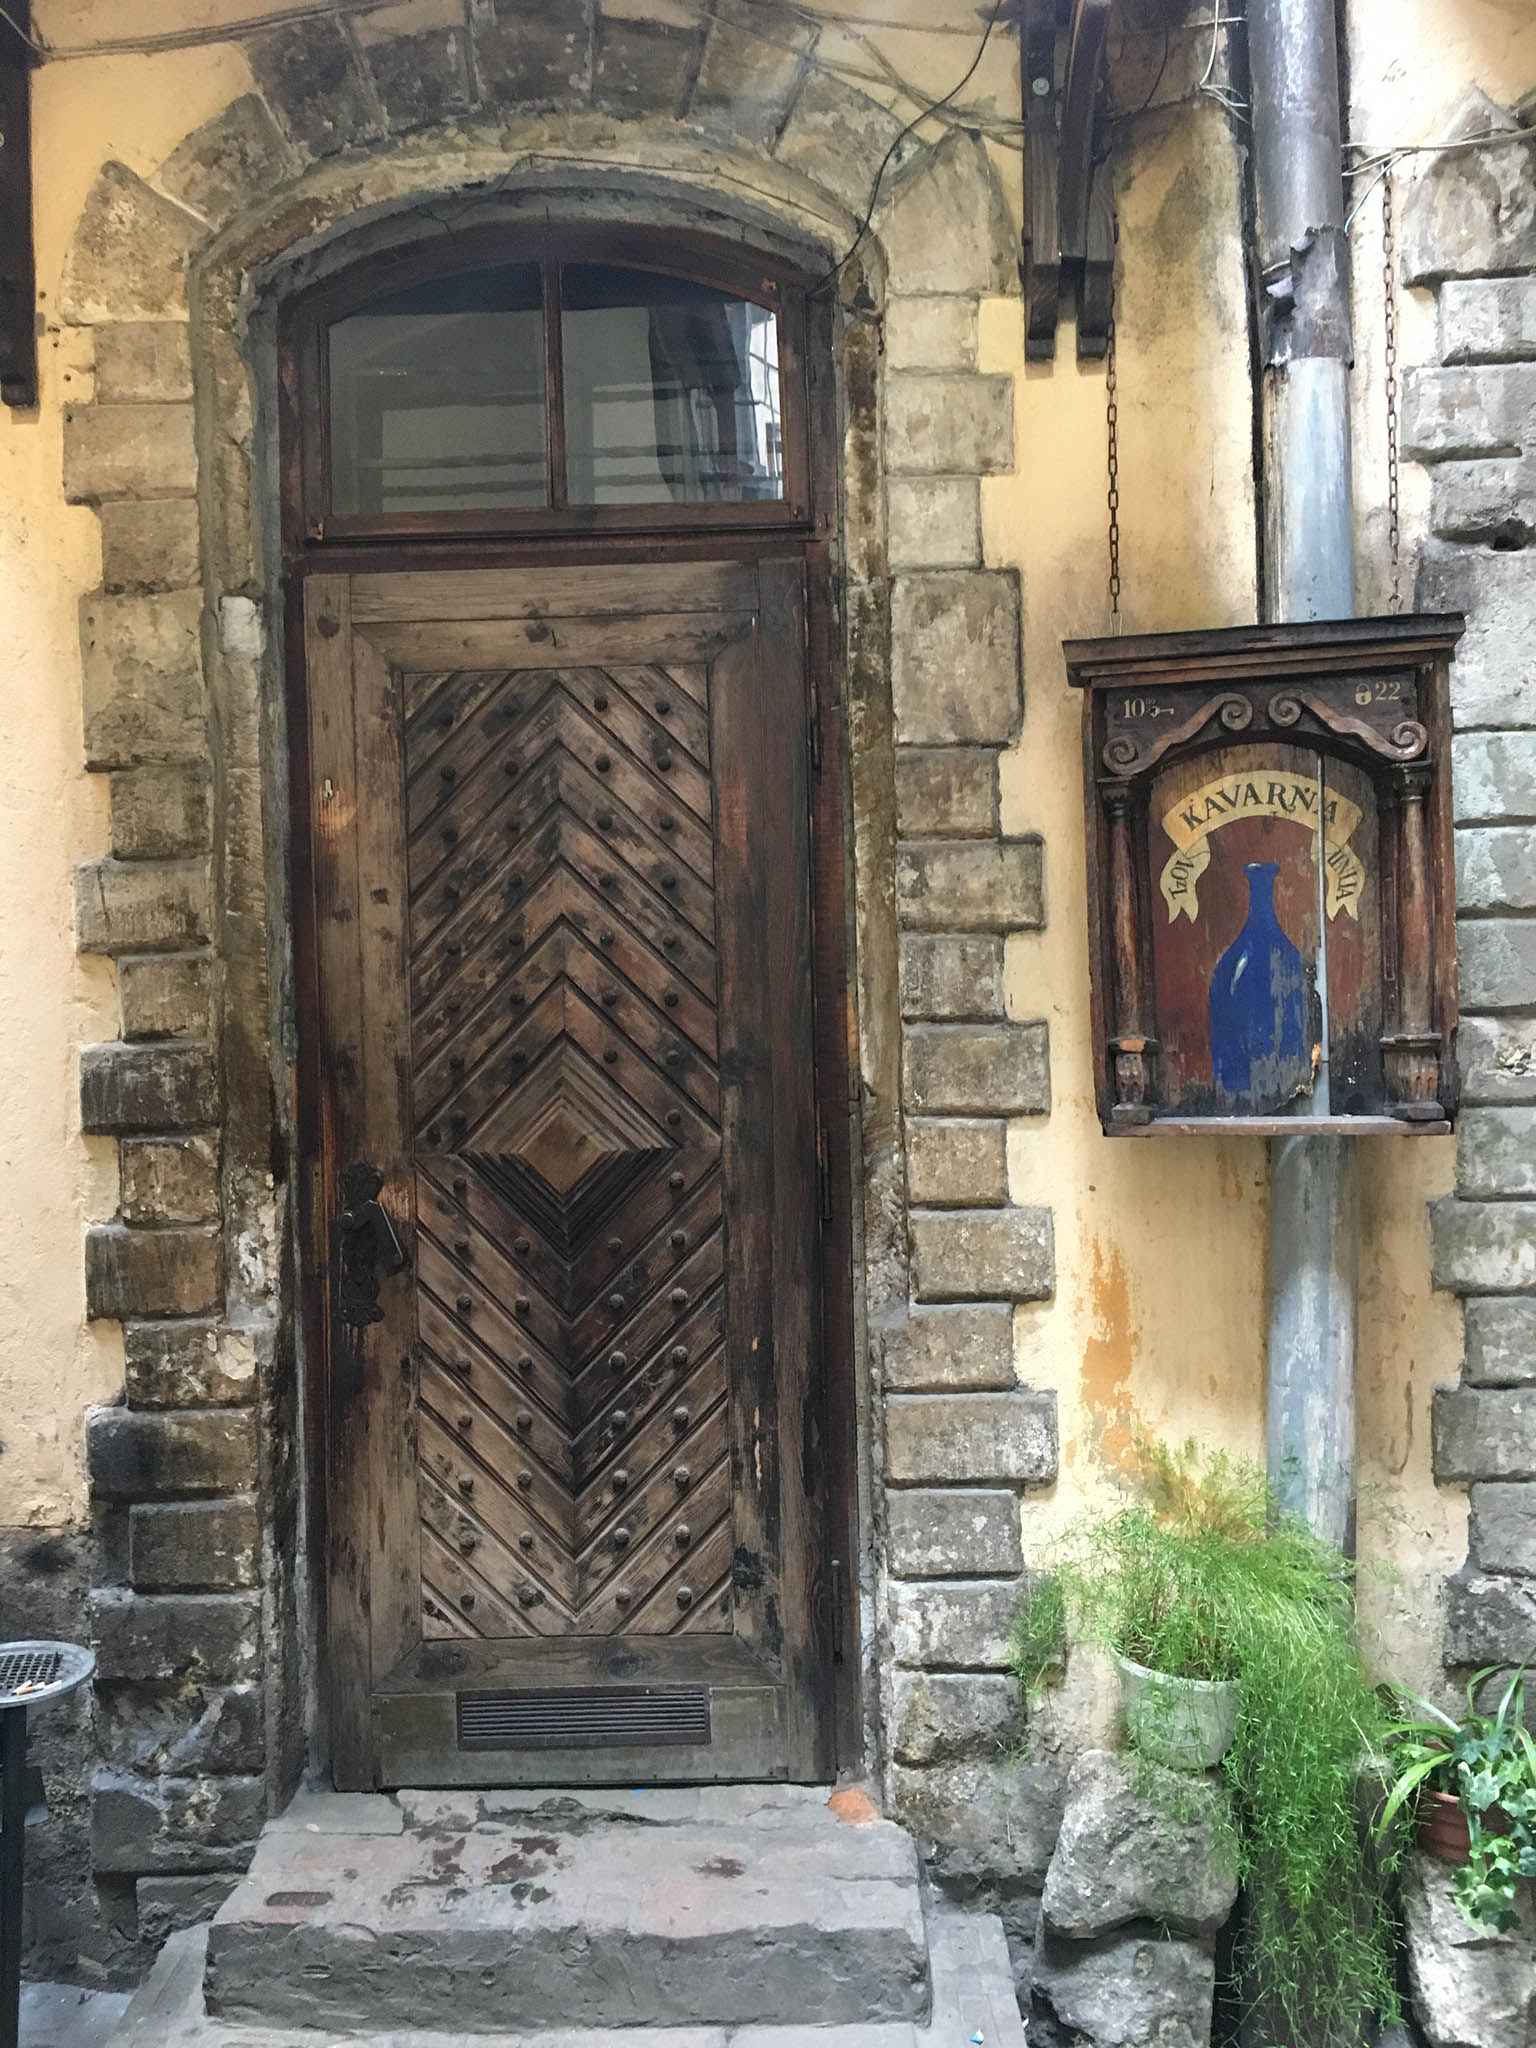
(1187, 1723)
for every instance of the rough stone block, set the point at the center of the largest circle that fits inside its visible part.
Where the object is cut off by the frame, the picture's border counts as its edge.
(1492, 501)
(154, 1825)
(143, 678)
(995, 885)
(1129, 1850)
(126, 1088)
(1488, 682)
(1495, 777)
(1483, 1247)
(182, 1729)
(959, 1439)
(838, 138)
(419, 78)
(173, 1452)
(168, 1180)
(1495, 868)
(953, 1625)
(947, 1350)
(754, 58)
(168, 1904)
(152, 1272)
(143, 362)
(944, 1717)
(193, 1546)
(1497, 1058)
(197, 1636)
(165, 995)
(128, 260)
(1484, 1433)
(315, 85)
(944, 225)
(1457, 413)
(1488, 1620)
(976, 1070)
(188, 1365)
(236, 158)
(1472, 213)
(149, 545)
(642, 67)
(955, 657)
(950, 977)
(160, 812)
(1132, 1988)
(1488, 319)
(534, 52)
(983, 1826)
(946, 792)
(940, 424)
(1497, 957)
(957, 1162)
(934, 522)
(133, 907)
(1470, 1988)
(128, 451)
(983, 1255)
(1496, 1153)
(953, 1533)
(1501, 1343)
(930, 334)
(1503, 1528)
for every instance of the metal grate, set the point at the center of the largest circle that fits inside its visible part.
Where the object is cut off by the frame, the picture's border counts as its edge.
(585, 1717)
(28, 1667)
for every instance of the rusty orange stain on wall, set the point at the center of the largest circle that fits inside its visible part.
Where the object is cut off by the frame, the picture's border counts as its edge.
(1108, 1356)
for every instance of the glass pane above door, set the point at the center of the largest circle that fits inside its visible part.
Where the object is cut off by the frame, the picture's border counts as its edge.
(437, 397)
(672, 391)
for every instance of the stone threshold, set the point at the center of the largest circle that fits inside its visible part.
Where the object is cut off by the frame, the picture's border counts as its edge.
(973, 2003)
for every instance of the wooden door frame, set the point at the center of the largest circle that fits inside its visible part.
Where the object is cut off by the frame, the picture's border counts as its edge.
(834, 1023)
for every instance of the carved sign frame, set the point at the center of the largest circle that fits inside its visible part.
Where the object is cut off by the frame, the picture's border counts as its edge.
(1368, 702)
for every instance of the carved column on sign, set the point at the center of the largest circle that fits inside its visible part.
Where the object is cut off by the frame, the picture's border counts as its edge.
(1129, 1044)
(1413, 1049)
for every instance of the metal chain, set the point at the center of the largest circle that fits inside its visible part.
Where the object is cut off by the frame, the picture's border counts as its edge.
(1389, 305)
(1112, 424)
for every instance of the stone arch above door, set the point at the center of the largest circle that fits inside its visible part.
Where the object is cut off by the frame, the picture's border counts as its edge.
(182, 695)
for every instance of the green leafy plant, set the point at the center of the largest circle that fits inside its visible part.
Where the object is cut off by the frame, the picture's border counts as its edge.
(1488, 1763)
(1202, 1577)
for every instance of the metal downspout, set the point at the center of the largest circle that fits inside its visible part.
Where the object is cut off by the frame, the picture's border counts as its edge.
(1308, 543)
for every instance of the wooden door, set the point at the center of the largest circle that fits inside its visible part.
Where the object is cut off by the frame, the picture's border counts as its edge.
(569, 1167)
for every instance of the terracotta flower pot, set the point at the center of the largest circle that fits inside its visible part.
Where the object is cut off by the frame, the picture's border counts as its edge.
(1440, 1828)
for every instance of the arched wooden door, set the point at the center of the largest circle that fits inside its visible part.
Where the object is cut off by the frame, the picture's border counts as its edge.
(566, 1087)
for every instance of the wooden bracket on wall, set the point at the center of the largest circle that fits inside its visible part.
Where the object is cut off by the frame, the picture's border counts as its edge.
(1069, 221)
(18, 269)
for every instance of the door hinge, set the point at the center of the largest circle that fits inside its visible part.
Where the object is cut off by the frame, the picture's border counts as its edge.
(836, 1572)
(813, 730)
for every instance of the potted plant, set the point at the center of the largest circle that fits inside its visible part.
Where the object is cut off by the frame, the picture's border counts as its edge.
(1199, 1582)
(1470, 1786)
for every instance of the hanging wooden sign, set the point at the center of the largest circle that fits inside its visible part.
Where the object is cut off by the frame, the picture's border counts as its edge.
(1270, 880)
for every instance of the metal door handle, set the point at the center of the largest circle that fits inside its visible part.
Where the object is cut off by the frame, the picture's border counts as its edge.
(365, 1243)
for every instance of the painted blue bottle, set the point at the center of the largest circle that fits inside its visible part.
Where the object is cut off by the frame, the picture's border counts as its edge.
(1258, 1007)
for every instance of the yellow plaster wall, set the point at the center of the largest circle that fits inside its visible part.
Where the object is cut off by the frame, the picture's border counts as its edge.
(1159, 1314)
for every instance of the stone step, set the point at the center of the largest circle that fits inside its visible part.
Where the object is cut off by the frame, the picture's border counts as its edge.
(714, 1907)
(973, 2003)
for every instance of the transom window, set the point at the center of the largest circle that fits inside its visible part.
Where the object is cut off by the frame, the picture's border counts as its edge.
(484, 386)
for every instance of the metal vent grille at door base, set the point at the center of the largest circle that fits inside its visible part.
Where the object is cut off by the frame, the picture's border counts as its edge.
(585, 1717)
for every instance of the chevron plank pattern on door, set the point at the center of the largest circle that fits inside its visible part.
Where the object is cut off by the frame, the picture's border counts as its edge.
(574, 1430)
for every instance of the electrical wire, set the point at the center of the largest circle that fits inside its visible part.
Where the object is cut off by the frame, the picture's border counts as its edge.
(916, 121)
